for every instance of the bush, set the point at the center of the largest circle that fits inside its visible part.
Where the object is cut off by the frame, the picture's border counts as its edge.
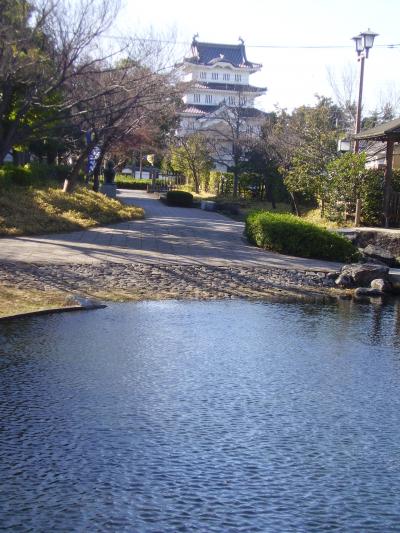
(288, 234)
(221, 182)
(180, 198)
(128, 182)
(33, 210)
(13, 175)
(32, 174)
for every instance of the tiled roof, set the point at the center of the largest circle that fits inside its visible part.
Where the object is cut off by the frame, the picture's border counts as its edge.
(210, 53)
(202, 110)
(230, 87)
(389, 129)
(199, 109)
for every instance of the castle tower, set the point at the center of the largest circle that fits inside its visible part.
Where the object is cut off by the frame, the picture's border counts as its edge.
(218, 79)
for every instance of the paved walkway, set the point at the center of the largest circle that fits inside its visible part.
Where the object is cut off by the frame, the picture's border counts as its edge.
(168, 235)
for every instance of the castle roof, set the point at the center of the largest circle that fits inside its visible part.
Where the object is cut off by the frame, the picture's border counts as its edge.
(203, 110)
(210, 53)
(230, 87)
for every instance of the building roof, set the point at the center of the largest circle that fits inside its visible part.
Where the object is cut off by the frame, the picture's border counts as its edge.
(203, 110)
(199, 109)
(388, 130)
(211, 53)
(230, 87)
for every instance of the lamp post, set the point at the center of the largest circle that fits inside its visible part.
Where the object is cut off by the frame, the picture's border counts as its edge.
(364, 42)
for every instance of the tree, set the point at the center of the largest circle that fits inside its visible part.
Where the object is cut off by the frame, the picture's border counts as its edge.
(307, 141)
(44, 46)
(231, 131)
(191, 157)
(347, 176)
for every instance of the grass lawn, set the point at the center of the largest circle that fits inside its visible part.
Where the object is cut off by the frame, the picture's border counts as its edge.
(14, 300)
(32, 211)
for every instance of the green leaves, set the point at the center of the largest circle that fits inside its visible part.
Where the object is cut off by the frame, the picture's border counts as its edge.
(288, 234)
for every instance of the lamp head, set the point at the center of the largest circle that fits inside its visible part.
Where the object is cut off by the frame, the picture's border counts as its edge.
(368, 40)
(358, 41)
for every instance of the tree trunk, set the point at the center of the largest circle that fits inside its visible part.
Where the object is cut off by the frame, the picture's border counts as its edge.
(322, 207)
(235, 182)
(295, 206)
(96, 171)
(269, 192)
(70, 182)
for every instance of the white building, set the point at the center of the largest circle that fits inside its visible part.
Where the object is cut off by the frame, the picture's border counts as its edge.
(219, 92)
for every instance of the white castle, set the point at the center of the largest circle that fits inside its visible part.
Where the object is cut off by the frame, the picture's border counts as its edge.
(218, 76)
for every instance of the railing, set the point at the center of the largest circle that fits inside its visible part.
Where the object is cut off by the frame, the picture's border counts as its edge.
(166, 183)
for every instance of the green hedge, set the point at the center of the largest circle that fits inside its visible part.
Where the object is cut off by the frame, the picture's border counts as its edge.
(180, 198)
(128, 182)
(32, 174)
(288, 234)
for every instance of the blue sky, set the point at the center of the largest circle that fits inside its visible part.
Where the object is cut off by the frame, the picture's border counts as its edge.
(292, 75)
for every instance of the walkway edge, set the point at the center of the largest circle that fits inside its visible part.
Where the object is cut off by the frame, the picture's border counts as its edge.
(53, 310)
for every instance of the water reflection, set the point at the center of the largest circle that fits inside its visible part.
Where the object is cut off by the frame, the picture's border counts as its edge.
(202, 416)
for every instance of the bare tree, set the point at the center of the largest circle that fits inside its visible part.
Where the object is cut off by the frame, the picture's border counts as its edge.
(231, 131)
(44, 45)
(344, 87)
(123, 100)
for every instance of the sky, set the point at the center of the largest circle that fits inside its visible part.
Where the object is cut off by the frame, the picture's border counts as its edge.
(274, 32)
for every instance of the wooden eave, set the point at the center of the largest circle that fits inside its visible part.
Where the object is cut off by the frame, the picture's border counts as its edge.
(389, 131)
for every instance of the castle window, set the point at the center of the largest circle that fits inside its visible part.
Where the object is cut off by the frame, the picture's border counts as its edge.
(238, 77)
(227, 77)
(208, 98)
(214, 75)
(203, 75)
(196, 98)
(231, 100)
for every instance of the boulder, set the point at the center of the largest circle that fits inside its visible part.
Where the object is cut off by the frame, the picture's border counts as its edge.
(380, 254)
(362, 274)
(381, 285)
(332, 275)
(367, 291)
(344, 281)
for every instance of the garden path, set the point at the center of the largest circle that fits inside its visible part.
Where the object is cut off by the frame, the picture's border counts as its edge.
(168, 235)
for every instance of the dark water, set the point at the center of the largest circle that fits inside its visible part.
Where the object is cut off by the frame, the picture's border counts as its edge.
(221, 416)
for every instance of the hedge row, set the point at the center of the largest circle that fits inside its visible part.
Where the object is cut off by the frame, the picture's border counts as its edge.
(31, 174)
(180, 198)
(127, 182)
(288, 234)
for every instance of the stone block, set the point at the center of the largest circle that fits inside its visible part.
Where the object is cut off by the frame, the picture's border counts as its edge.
(109, 189)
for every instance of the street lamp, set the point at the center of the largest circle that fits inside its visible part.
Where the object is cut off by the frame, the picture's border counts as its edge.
(364, 42)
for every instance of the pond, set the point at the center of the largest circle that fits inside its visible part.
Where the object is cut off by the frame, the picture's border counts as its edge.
(223, 416)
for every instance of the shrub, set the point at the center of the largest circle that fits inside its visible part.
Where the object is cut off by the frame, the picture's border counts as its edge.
(288, 234)
(128, 182)
(180, 198)
(32, 174)
(44, 210)
(13, 175)
(221, 182)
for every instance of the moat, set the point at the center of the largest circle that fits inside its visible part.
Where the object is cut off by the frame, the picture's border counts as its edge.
(223, 416)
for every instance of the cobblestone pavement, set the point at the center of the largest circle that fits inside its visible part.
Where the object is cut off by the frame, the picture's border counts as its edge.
(173, 252)
(145, 281)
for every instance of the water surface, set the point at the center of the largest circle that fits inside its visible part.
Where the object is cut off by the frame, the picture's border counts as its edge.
(202, 416)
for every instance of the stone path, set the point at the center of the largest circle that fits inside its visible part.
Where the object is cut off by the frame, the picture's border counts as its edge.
(172, 253)
(168, 235)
